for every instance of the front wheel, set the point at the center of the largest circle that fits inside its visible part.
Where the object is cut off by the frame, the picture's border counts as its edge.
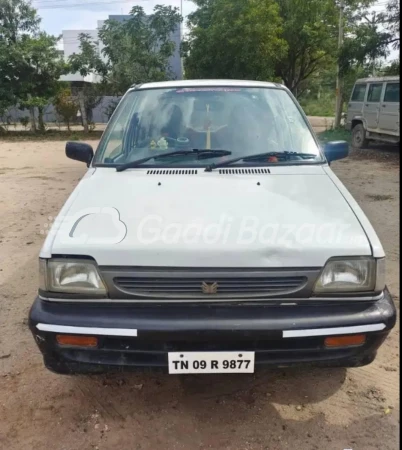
(359, 139)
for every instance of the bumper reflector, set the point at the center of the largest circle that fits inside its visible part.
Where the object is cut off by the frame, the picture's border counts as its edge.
(345, 341)
(77, 341)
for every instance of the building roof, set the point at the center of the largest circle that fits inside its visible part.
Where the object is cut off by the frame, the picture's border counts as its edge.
(206, 83)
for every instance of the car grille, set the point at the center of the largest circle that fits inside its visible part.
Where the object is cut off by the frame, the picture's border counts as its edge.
(209, 287)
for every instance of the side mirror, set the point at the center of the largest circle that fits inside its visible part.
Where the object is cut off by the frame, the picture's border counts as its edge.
(80, 152)
(336, 150)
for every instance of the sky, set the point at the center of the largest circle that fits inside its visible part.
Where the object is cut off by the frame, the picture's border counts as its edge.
(59, 15)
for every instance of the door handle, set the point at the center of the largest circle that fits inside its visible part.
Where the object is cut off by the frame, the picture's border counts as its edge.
(384, 106)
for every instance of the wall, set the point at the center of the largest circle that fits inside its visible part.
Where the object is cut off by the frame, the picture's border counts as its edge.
(99, 115)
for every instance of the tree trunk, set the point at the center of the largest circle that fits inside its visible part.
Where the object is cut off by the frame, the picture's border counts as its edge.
(32, 116)
(83, 110)
(41, 123)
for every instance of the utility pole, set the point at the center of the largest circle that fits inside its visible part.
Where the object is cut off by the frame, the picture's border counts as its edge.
(339, 82)
(181, 37)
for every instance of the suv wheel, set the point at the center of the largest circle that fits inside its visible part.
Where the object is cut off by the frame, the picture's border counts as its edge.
(359, 139)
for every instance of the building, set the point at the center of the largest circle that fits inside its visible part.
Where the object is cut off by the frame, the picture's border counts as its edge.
(71, 45)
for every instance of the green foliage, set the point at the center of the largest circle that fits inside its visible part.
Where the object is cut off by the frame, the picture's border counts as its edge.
(322, 106)
(338, 134)
(310, 30)
(74, 137)
(233, 39)
(136, 50)
(93, 96)
(393, 20)
(30, 64)
(44, 66)
(365, 42)
(88, 61)
(394, 68)
(66, 106)
(17, 19)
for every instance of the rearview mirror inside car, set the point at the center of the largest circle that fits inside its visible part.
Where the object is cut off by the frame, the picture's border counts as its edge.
(80, 152)
(336, 150)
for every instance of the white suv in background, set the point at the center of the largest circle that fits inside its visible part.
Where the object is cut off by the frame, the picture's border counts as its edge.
(373, 111)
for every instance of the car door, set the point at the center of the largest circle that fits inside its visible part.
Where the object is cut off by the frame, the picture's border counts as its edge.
(371, 110)
(389, 111)
(356, 103)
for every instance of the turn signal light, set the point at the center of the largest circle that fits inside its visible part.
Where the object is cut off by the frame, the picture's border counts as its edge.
(77, 341)
(345, 341)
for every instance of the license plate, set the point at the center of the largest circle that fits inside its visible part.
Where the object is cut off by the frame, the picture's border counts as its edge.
(211, 362)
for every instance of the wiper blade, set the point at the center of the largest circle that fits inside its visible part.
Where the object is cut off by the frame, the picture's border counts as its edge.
(258, 156)
(201, 153)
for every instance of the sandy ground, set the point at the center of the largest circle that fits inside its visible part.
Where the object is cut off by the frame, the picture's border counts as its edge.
(281, 409)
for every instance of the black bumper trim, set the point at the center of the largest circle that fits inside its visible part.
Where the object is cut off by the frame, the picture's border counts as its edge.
(205, 328)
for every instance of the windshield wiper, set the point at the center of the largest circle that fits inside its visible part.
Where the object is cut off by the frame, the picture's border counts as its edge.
(287, 155)
(201, 153)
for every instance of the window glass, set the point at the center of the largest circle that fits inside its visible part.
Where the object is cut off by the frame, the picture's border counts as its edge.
(239, 120)
(374, 92)
(392, 93)
(358, 93)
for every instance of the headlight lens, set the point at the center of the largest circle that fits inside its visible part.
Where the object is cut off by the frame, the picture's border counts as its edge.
(347, 275)
(73, 277)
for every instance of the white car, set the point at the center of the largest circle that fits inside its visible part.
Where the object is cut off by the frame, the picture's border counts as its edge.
(210, 235)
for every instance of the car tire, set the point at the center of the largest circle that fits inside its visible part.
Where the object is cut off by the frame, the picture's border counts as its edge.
(359, 139)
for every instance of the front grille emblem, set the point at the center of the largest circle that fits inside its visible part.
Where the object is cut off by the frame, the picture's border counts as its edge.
(209, 288)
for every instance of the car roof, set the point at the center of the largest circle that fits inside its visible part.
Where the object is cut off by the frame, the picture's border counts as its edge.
(207, 83)
(377, 79)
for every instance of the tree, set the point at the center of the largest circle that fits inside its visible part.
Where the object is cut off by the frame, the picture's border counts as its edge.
(310, 30)
(17, 18)
(30, 64)
(66, 106)
(44, 66)
(233, 39)
(17, 21)
(392, 19)
(365, 41)
(136, 50)
(394, 68)
(88, 62)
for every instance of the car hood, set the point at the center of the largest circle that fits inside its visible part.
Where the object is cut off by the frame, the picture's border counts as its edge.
(292, 217)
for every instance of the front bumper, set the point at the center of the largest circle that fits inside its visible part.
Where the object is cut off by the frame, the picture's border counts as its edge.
(140, 336)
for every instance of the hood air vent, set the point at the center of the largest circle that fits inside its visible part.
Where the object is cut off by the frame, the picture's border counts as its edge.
(243, 171)
(172, 172)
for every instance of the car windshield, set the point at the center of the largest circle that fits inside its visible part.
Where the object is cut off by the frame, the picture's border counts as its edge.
(242, 121)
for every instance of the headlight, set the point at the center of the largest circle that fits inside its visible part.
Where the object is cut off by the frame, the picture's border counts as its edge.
(70, 276)
(351, 275)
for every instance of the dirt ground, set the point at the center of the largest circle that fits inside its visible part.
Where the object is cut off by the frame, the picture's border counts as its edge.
(306, 409)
